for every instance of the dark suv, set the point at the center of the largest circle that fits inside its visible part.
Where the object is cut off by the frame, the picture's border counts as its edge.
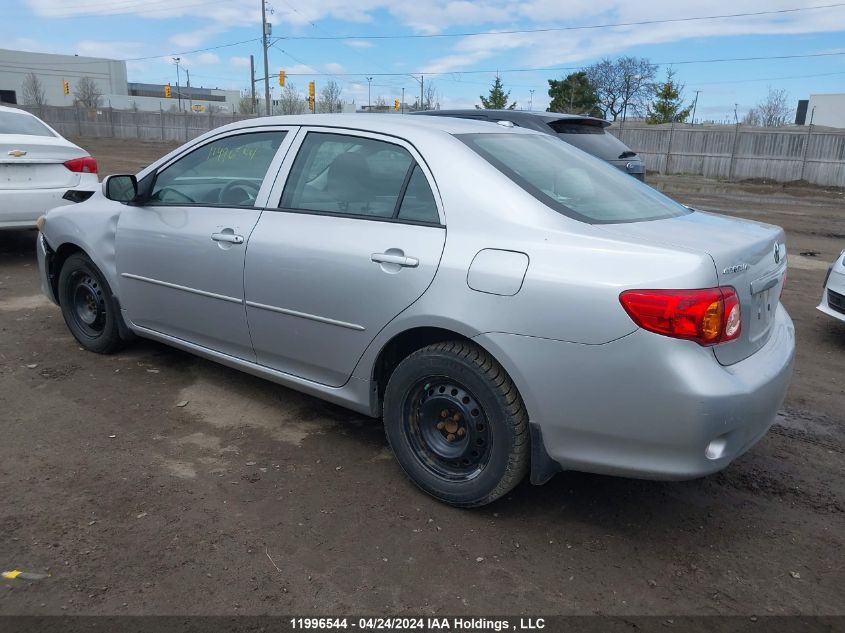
(584, 132)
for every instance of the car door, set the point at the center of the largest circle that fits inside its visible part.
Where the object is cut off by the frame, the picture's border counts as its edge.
(355, 239)
(180, 253)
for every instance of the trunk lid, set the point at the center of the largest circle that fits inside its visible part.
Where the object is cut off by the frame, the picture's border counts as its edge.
(748, 256)
(35, 162)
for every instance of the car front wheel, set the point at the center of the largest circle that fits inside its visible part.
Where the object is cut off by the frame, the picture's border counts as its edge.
(457, 424)
(87, 307)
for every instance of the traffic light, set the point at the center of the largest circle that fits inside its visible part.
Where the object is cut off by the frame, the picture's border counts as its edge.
(167, 91)
(65, 87)
(311, 96)
(282, 78)
(396, 104)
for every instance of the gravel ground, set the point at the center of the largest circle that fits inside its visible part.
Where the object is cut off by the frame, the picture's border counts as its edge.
(254, 499)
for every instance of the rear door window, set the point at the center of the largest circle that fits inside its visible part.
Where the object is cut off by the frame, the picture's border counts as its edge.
(358, 176)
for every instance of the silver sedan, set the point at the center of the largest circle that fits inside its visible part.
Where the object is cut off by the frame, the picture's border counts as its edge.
(507, 303)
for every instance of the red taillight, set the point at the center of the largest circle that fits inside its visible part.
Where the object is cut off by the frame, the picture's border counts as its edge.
(708, 316)
(84, 165)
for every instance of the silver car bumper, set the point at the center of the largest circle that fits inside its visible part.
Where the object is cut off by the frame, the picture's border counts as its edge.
(44, 253)
(645, 405)
(833, 298)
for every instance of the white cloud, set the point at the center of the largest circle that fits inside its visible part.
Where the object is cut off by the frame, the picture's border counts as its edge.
(239, 62)
(359, 43)
(111, 50)
(206, 59)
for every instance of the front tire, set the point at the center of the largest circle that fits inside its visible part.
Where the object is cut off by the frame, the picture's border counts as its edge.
(87, 307)
(457, 424)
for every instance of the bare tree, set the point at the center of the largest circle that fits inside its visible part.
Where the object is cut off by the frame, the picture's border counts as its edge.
(33, 91)
(774, 110)
(622, 84)
(87, 93)
(380, 105)
(752, 117)
(291, 102)
(246, 104)
(329, 100)
(431, 97)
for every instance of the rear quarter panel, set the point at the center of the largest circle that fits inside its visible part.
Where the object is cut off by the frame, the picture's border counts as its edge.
(574, 276)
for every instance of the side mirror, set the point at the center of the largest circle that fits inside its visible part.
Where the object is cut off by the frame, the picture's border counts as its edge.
(120, 188)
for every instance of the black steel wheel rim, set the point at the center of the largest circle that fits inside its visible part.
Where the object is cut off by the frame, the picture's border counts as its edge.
(87, 303)
(447, 429)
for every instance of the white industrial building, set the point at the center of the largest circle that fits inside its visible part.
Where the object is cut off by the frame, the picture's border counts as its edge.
(825, 110)
(110, 76)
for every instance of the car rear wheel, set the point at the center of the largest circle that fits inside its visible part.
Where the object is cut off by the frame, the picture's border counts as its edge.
(457, 424)
(87, 307)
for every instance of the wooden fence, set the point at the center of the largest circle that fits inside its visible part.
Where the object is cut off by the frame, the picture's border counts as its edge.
(735, 152)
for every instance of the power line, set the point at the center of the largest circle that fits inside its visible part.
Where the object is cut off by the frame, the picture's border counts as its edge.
(742, 81)
(560, 68)
(563, 28)
(138, 59)
(128, 8)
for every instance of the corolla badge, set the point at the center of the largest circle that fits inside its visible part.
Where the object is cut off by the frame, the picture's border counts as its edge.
(17, 153)
(738, 268)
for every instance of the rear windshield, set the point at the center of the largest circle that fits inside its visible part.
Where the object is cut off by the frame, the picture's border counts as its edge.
(14, 123)
(592, 139)
(571, 182)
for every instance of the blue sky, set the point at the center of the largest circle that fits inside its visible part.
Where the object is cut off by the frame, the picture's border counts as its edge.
(155, 29)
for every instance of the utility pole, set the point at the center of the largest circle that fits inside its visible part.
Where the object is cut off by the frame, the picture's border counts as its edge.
(252, 81)
(422, 80)
(369, 85)
(178, 92)
(403, 100)
(265, 39)
(694, 106)
(190, 96)
(531, 100)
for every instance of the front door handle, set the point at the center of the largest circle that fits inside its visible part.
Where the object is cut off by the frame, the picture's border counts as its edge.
(228, 237)
(399, 260)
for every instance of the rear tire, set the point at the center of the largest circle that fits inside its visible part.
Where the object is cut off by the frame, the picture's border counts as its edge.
(87, 306)
(457, 424)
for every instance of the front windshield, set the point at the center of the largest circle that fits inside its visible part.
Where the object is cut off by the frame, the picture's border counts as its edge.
(570, 181)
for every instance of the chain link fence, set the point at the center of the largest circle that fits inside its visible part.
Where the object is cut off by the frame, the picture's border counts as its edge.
(132, 124)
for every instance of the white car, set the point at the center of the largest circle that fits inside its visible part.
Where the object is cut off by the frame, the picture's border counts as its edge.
(833, 298)
(39, 169)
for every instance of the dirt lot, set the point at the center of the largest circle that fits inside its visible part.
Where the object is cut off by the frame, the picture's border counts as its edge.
(255, 499)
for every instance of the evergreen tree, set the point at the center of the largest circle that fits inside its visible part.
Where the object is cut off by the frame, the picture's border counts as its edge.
(574, 94)
(667, 106)
(498, 98)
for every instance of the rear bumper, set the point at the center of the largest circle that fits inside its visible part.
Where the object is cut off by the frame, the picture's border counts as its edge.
(20, 208)
(644, 405)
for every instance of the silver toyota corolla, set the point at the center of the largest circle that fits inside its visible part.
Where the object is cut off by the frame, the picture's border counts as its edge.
(508, 303)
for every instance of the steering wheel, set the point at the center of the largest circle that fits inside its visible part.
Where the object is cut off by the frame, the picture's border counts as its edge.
(249, 192)
(164, 193)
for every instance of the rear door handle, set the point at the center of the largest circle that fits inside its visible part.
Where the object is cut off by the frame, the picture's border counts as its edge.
(228, 237)
(399, 260)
